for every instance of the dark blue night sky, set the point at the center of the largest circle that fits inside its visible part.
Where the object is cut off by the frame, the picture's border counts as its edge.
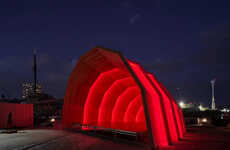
(184, 43)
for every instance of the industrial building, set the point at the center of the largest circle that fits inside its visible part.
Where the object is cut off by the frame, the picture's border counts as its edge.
(28, 90)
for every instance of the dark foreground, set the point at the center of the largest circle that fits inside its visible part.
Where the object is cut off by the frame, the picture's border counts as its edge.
(197, 138)
(204, 138)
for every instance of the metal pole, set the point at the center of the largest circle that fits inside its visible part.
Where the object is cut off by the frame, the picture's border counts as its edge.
(35, 71)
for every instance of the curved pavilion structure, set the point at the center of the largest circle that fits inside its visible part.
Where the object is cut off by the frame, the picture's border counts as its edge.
(107, 90)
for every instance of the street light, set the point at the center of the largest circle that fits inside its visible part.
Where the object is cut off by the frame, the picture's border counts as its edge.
(182, 104)
(201, 108)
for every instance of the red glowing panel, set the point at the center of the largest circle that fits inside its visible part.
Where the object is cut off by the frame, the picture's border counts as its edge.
(168, 110)
(182, 119)
(96, 93)
(109, 99)
(178, 119)
(154, 107)
(140, 120)
(121, 106)
(131, 113)
(172, 101)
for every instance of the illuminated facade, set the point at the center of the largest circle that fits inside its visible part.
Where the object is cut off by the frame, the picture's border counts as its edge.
(28, 90)
(108, 90)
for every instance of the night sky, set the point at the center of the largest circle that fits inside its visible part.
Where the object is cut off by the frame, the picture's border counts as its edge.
(184, 43)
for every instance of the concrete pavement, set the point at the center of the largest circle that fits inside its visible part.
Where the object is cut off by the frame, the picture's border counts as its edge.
(204, 138)
(58, 140)
(197, 138)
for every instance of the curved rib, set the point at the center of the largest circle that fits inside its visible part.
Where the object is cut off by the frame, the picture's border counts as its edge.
(131, 113)
(121, 106)
(140, 120)
(168, 110)
(109, 100)
(96, 93)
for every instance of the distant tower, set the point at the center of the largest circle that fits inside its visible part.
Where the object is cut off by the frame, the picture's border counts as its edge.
(213, 92)
(35, 71)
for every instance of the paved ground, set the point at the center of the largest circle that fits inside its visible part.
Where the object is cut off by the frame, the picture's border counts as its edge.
(204, 138)
(195, 139)
(58, 140)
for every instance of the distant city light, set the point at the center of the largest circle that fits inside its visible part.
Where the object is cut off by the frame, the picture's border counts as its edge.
(225, 110)
(222, 116)
(204, 120)
(27, 89)
(52, 120)
(181, 104)
(201, 108)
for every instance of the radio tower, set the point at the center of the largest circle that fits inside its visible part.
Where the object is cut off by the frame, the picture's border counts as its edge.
(213, 92)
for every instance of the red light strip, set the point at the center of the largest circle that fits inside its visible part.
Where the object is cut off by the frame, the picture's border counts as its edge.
(110, 98)
(182, 119)
(96, 93)
(168, 110)
(178, 119)
(174, 108)
(140, 120)
(131, 113)
(154, 107)
(121, 107)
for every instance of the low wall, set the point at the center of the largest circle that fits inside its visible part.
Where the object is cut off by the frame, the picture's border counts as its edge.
(22, 115)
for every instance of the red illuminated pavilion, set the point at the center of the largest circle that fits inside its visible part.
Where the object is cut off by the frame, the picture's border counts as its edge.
(108, 90)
